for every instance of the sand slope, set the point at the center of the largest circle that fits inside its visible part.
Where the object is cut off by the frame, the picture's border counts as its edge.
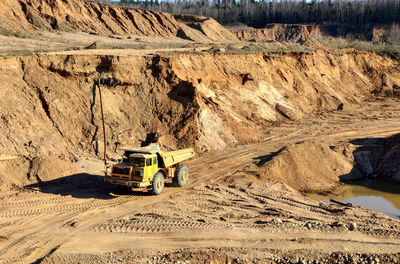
(28, 16)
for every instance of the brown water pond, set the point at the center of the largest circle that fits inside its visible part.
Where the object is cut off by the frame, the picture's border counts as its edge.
(375, 195)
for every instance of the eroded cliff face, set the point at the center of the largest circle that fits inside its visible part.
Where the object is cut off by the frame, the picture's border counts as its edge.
(280, 32)
(30, 16)
(301, 33)
(50, 103)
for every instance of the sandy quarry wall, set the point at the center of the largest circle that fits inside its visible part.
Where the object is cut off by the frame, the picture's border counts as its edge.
(301, 33)
(50, 105)
(28, 16)
(280, 32)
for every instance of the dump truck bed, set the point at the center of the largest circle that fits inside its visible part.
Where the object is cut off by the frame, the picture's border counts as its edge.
(168, 158)
(174, 157)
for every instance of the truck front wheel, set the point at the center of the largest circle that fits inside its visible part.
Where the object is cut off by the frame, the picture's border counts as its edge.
(158, 183)
(181, 176)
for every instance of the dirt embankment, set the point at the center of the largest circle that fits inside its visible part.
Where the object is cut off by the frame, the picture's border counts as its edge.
(51, 103)
(29, 16)
(280, 32)
(315, 166)
(377, 158)
(301, 33)
(309, 166)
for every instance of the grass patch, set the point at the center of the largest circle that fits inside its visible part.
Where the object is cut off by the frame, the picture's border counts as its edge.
(250, 47)
(382, 49)
(390, 50)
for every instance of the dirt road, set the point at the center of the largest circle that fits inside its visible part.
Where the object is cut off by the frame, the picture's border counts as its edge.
(81, 219)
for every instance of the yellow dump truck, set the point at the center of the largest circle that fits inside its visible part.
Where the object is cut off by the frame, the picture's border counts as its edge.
(150, 167)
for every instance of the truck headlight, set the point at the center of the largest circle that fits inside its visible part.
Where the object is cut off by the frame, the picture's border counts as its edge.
(139, 173)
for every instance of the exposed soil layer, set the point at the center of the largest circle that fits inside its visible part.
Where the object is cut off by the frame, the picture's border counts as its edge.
(30, 16)
(279, 32)
(301, 33)
(54, 100)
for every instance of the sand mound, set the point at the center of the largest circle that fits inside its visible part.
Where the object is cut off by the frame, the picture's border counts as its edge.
(307, 166)
(313, 166)
(13, 173)
(23, 171)
(206, 26)
(27, 16)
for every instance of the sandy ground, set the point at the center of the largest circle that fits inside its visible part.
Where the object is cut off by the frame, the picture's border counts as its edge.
(77, 43)
(220, 216)
(69, 41)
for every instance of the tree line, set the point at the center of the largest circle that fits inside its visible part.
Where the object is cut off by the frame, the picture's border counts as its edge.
(261, 12)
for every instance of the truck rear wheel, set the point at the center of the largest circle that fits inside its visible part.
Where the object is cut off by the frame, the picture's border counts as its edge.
(181, 176)
(158, 183)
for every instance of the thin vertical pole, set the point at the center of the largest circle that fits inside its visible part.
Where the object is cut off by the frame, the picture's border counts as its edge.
(104, 127)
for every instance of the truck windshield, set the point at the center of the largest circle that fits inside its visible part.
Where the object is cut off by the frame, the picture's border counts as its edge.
(136, 162)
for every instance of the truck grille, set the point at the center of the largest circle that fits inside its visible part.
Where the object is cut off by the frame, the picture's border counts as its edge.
(121, 171)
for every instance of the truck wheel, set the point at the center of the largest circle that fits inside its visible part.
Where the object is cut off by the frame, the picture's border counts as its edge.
(181, 176)
(158, 183)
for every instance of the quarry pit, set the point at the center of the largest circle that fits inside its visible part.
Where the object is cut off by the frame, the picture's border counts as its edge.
(273, 124)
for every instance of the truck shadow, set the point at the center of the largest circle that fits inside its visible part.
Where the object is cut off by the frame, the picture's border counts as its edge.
(84, 186)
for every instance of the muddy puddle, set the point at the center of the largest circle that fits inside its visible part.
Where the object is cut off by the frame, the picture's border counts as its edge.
(378, 196)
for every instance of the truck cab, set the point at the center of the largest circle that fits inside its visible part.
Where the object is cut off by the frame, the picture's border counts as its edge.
(136, 170)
